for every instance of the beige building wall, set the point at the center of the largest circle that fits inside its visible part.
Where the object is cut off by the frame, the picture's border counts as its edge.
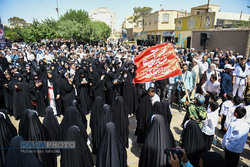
(227, 39)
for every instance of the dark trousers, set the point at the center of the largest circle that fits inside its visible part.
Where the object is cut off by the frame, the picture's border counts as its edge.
(180, 95)
(222, 122)
(161, 92)
(208, 141)
(231, 158)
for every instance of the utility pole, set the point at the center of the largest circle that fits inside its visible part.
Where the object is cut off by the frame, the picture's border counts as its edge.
(208, 5)
(57, 10)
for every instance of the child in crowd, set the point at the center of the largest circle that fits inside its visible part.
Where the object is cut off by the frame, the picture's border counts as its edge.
(237, 101)
(235, 138)
(246, 103)
(226, 105)
(210, 123)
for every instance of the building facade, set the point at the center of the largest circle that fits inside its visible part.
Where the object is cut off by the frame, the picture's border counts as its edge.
(160, 25)
(204, 18)
(104, 14)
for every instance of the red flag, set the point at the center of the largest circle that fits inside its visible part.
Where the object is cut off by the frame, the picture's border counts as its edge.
(157, 62)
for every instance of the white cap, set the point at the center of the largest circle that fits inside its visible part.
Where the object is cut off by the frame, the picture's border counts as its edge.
(240, 56)
(228, 66)
(195, 60)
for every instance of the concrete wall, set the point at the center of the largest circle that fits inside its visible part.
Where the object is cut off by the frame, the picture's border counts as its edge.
(231, 39)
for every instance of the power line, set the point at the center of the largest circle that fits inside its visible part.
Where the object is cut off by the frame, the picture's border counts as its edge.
(45, 4)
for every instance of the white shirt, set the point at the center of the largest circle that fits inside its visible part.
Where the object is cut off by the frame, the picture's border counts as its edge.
(240, 74)
(155, 99)
(49, 57)
(210, 122)
(226, 105)
(236, 136)
(247, 116)
(208, 86)
(30, 56)
(39, 57)
(203, 66)
(230, 115)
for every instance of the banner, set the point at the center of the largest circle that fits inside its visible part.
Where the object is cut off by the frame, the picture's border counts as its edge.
(2, 38)
(157, 62)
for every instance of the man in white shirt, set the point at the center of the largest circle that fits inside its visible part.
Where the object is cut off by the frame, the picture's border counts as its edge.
(210, 87)
(203, 65)
(39, 56)
(30, 56)
(234, 140)
(241, 75)
(208, 127)
(153, 96)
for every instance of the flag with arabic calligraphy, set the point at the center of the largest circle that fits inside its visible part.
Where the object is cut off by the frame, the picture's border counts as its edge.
(157, 62)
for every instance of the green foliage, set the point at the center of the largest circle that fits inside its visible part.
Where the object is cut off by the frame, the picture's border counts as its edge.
(15, 34)
(80, 16)
(99, 30)
(16, 21)
(74, 24)
(139, 14)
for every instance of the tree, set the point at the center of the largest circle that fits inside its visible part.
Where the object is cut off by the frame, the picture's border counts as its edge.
(75, 24)
(80, 16)
(16, 21)
(99, 30)
(139, 14)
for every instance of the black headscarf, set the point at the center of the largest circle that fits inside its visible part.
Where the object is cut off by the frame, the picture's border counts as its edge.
(167, 112)
(112, 151)
(157, 140)
(36, 131)
(121, 119)
(22, 121)
(106, 116)
(142, 116)
(9, 123)
(81, 156)
(7, 132)
(16, 158)
(193, 142)
(71, 117)
(51, 123)
(96, 113)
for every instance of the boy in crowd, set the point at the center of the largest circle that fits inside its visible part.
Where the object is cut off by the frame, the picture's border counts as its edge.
(153, 96)
(237, 101)
(235, 138)
(210, 123)
(226, 105)
(246, 103)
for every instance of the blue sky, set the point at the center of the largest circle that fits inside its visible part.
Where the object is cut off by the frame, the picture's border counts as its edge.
(41, 9)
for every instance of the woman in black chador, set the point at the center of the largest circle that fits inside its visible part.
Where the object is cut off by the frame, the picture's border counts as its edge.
(112, 151)
(157, 140)
(193, 142)
(21, 95)
(96, 112)
(7, 132)
(16, 158)
(71, 117)
(121, 119)
(34, 130)
(105, 117)
(81, 156)
(51, 123)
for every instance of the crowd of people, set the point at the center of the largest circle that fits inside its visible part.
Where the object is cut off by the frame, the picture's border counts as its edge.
(70, 79)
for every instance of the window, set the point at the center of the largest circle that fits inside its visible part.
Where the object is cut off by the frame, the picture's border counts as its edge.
(156, 19)
(165, 18)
